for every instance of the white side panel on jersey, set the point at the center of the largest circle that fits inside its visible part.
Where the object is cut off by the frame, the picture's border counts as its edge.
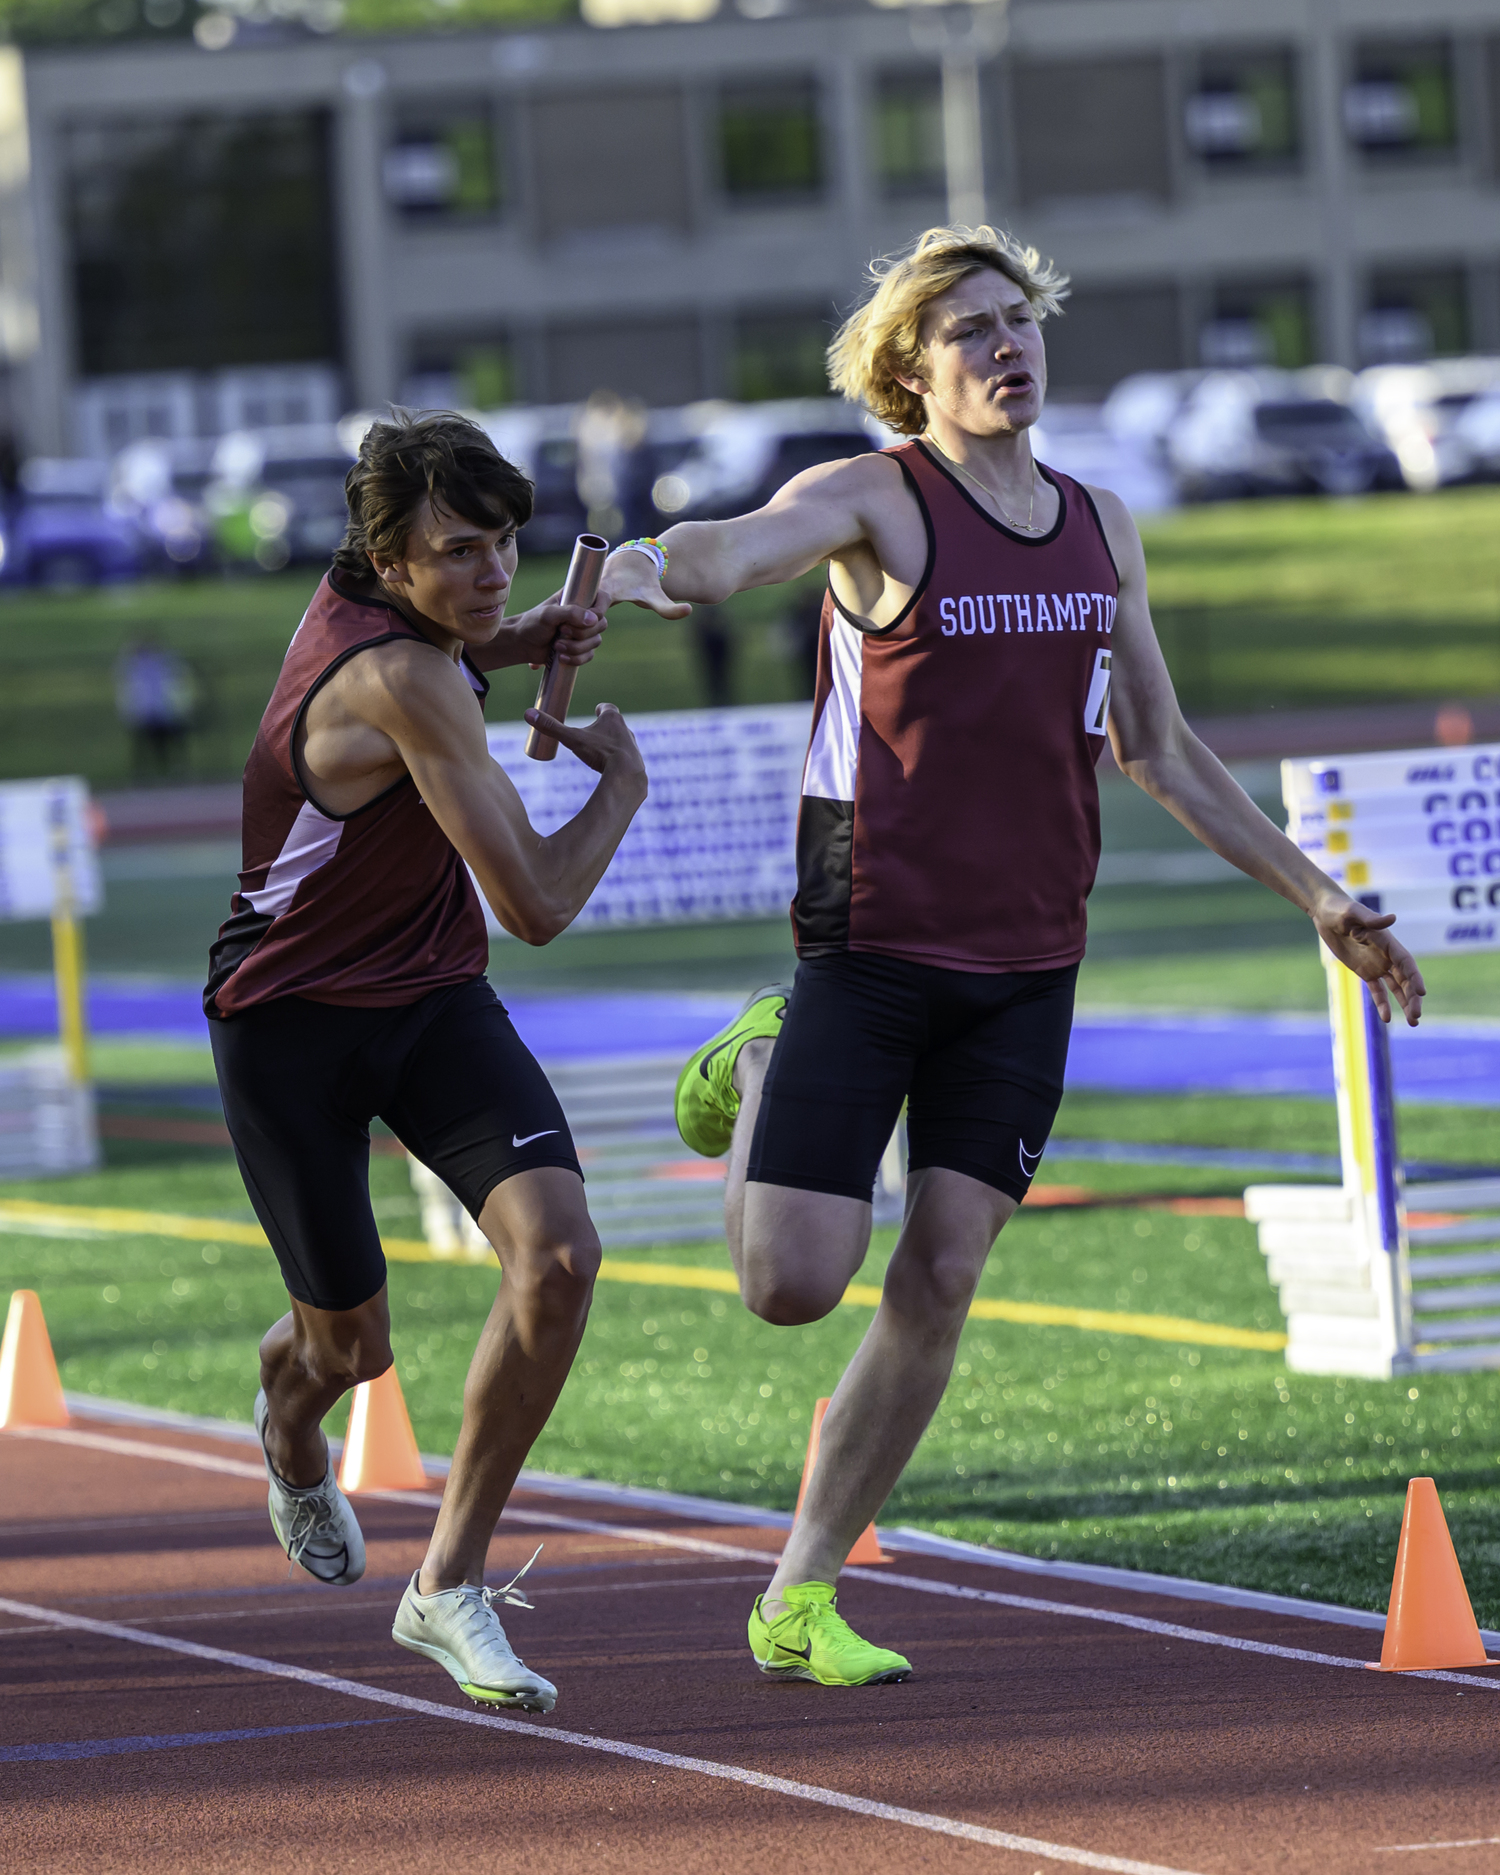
(1096, 709)
(833, 759)
(312, 842)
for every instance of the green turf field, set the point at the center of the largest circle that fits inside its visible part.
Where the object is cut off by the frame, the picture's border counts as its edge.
(1203, 1461)
(1290, 604)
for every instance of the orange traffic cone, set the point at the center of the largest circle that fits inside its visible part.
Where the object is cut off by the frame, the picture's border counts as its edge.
(30, 1392)
(380, 1449)
(867, 1547)
(1431, 1622)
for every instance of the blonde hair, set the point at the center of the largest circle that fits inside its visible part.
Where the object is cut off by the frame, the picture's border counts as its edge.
(885, 335)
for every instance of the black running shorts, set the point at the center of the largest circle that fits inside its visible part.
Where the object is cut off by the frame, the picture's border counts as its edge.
(978, 1058)
(301, 1082)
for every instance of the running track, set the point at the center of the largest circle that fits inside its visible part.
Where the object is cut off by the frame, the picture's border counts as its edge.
(176, 1703)
(1134, 1053)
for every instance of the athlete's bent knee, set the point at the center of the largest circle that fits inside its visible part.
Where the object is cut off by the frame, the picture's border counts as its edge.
(938, 1290)
(788, 1299)
(556, 1283)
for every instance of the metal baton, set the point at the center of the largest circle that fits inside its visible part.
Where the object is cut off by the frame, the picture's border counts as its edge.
(556, 689)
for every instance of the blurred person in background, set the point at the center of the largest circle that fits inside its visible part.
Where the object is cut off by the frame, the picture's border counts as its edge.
(986, 627)
(802, 625)
(713, 639)
(156, 697)
(349, 981)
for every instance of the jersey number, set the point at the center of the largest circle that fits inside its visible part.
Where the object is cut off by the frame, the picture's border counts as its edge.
(1096, 710)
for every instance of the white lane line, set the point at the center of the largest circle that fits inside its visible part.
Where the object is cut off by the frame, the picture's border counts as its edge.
(324, 1607)
(1145, 1625)
(1400, 1848)
(611, 1747)
(703, 1546)
(141, 1448)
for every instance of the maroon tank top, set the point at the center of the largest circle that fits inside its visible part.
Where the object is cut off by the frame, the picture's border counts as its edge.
(372, 909)
(950, 812)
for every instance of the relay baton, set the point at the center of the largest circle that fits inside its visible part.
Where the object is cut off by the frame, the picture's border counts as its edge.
(581, 587)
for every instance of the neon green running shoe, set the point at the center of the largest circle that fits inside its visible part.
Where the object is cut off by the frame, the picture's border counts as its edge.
(707, 1103)
(813, 1641)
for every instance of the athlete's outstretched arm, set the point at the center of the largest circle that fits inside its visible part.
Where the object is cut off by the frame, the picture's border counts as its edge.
(1156, 748)
(824, 511)
(536, 884)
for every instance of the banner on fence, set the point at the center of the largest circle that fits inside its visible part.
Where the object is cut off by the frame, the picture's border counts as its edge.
(716, 837)
(47, 861)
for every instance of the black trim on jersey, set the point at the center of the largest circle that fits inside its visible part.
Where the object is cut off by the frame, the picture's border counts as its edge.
(884, 631)
(241, 932)
(412, 636)
(825, 876)
(1103, 537)
(415, 631)
(1021, 540)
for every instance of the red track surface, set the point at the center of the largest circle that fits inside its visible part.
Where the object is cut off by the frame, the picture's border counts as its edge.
(1104, 1745)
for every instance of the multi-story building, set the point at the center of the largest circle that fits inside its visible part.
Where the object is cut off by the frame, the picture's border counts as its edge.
(679, 211)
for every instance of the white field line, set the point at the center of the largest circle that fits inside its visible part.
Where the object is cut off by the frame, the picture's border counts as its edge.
(610, 1747)
(703, 1546)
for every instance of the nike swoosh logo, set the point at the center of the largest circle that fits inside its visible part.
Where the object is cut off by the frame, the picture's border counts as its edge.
(703, 1064)
(802, 1653)
(546, 1132)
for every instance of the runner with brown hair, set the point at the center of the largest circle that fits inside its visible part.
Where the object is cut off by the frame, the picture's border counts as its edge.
(986, 627)
(349, 982)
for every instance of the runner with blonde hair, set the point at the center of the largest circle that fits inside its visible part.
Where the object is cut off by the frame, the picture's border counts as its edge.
(986, 628)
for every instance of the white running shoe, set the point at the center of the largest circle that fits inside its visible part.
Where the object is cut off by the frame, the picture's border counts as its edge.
(315, 1524)
(459, 1629)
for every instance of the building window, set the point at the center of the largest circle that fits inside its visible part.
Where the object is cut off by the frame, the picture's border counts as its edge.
(1412, 315)
(441, 163)
(1244, 111)
(1400, 100)
(475, 373)
(201, 241)
(770, 141)
(780, 355)
(1091, 129)
(908, 134)
(1259, 323)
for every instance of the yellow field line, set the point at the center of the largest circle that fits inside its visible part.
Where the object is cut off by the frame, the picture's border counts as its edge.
(660, 1275)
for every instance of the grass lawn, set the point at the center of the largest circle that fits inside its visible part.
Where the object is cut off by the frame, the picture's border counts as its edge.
(1208, 1462)
(1288, 604)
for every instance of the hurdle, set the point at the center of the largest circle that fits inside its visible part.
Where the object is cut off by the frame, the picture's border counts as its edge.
(1377, 1278)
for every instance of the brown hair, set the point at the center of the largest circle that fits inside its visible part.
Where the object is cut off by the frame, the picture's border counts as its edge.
(885, 335)
(437, 455)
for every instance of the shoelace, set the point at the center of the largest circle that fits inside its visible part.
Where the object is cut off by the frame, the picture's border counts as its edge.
(314, 1517)
(481, 1601)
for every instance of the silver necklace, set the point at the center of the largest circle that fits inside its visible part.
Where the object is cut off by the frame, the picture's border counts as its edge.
(1021, 527)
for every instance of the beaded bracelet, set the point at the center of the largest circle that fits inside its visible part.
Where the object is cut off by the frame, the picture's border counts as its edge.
(652, 548)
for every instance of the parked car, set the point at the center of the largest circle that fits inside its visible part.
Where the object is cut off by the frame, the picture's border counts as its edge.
(1420, 411)
(277, 494)
(734, 457)
(161, 483)
(62, 530)
(1477, 428)
(1275, 433)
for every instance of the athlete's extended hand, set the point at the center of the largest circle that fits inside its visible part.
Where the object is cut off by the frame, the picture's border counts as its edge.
(630, 578)
(576, 632)
(1362, 939)
(606, 746)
